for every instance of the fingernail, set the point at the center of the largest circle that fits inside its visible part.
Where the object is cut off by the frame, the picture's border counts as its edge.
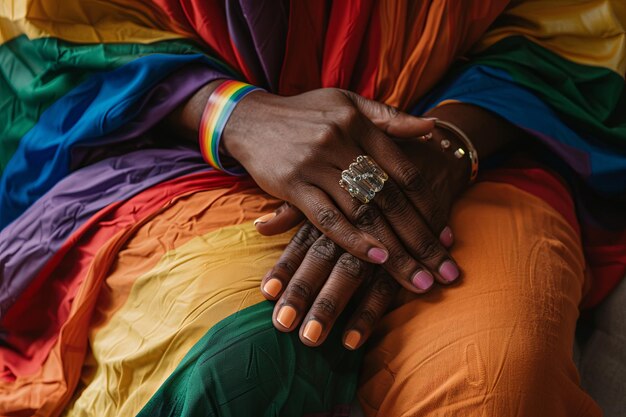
(286, 316)
(265, 218)
(377, 255)
(446, 238)
(425, 138)
(273, 287)
(352, 339)
(449, 271)
(434, 119)
(423, 280)
(312, 331)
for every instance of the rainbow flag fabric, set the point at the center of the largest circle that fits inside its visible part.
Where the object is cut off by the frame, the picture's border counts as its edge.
(129, 269)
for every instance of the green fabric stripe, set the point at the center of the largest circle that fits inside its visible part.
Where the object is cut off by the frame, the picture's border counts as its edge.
(244, 367)
(35, 73)
(591, 99)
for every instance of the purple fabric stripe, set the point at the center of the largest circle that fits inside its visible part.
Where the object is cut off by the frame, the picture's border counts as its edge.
(242, 40)
(28, 243)
(268, 21)
(162, 100)
(31, 240)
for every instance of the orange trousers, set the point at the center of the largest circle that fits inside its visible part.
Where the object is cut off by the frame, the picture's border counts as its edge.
(500, 342)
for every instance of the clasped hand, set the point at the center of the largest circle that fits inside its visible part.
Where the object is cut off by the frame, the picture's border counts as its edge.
(295, 148)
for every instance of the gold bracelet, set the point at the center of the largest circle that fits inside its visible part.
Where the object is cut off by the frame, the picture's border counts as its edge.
(460, 152)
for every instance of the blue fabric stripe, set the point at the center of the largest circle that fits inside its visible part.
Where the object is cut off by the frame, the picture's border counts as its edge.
(601, 166)
(89, 115)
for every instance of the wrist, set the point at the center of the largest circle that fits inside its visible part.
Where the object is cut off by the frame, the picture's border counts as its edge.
(217, 112)
(240, 125)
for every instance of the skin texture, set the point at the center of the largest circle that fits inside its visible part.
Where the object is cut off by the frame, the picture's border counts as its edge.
(296, 147)
(318, 291)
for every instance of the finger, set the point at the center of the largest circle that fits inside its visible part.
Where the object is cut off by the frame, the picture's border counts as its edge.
(374, 304)
(390, 120)
(325, 215)
(283, 219)
(406, 269)
(290, 260)
(415, 234)
(410, 180)
(347, 275)
(305, 284)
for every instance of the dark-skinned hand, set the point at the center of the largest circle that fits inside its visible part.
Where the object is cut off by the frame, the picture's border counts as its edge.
(296, 147)
(314, 279)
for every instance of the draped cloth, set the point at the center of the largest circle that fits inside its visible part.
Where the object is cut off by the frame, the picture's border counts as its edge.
(112, 243)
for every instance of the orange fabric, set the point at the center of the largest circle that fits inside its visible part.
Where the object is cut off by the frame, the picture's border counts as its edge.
(49, 387)
(499, 343)
(440, 32)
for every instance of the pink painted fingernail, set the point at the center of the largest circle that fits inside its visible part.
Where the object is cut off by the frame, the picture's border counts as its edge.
(377, 255)
(423, 280)
(446, 238)
(449, 271)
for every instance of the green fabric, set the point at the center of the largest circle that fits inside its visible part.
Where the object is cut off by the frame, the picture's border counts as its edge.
(35, 73)
(590, 99)
(244, 367)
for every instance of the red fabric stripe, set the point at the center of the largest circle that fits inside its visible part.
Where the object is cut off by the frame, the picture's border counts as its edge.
(369, 58)
(344, 39)
(304, 47)
(34, 322)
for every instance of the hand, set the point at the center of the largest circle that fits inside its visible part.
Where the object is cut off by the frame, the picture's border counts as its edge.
(296, 147)
(319, 279)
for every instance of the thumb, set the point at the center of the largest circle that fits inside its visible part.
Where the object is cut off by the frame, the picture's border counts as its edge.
(283, 219)
(391, 120)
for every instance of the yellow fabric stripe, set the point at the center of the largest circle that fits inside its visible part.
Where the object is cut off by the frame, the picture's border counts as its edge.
(84, 21)
(589, 32)
(167, 311)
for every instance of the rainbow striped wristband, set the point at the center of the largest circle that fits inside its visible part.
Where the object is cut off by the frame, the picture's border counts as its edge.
(218, 109)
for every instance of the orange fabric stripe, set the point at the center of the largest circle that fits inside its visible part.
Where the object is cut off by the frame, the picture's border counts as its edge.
(411, 65)
(48, 388)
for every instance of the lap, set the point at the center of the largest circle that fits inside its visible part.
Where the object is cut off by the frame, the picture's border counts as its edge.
(188, 275)
(503, 336)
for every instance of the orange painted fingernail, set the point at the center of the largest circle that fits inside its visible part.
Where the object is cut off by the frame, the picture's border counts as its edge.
(352, 339)
(286, 316)
(273, 287)
(265, 218)
(312, 331)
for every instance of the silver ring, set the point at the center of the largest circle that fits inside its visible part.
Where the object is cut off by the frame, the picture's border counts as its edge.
(363, 179)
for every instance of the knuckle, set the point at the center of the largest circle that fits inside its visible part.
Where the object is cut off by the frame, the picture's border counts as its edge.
(306, 236)
(351, 240)
(399, 260)
(285, 265)
(384, 287)
(410, 179)
(368, 316)
(393, 201)
(329, 132)
(325, 305)
(299, 289)
(324, 249)
(366, 215)
(427, 248)
(353, 266)
(328, 218)
(346, 115)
